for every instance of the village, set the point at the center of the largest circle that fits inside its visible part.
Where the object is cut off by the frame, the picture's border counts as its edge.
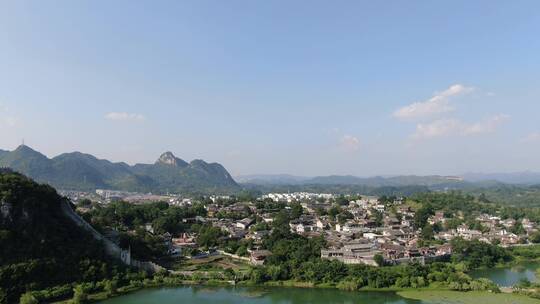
(356, 229)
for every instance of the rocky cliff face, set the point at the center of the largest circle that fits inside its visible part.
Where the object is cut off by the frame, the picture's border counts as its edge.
(169, 159)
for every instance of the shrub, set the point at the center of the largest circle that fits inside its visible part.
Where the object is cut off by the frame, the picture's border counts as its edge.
(28, 298)
(79, 295)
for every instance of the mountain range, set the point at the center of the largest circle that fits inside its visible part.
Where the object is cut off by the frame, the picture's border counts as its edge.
(79, 171)
(376, 181)
(467, 179)
(521, 178)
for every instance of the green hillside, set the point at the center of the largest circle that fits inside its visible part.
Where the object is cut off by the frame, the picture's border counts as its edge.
(79, 171)
(39, 246)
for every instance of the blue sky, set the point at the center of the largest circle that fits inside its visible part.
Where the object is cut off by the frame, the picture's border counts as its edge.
(299, 87)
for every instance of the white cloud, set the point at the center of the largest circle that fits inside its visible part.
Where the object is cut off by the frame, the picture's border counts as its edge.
(437, 104)
(349, 143)
(454, 127)
(531, 138)
(438, 128)
(486, 126)
(123, 116)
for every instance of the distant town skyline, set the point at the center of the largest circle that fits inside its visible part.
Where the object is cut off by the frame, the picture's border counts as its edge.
(305, 88)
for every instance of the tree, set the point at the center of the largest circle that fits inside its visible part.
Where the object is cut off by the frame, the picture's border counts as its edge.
(209, 236)
(477, 225)
(535, 237)
(274, 272)
(229, 273)
(79, 295)
(518, 229)
(296, 210)
(342, 200)
(427, 232)
(321, 211)
(437, 227)
(242, 250)
(483, 198)
(110, 287)
(85, 203)
(280, 226)
(344, 216)
(245, 196)
(377, 217)
(28, 298)
(258, 275)
(453, 223)
(524, 283)
(379, 259)
(422, 215)
(334, 211)
(478, 254)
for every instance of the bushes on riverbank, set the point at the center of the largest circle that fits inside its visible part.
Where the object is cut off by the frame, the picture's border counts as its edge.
(476, 254)
(526, 252)
(354, 277)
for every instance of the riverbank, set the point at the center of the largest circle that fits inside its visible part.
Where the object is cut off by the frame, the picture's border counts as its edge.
(471, 297)
(433, 294)
(177, 281)
(434, 290)
(510, 275)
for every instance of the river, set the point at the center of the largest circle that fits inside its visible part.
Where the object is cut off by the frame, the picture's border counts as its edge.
(509, 276)
(222, 295)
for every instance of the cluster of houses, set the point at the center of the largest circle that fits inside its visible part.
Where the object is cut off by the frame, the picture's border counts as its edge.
(355, 240)
(373, 229)
(297, 196)
(361, 238)
(495, 230)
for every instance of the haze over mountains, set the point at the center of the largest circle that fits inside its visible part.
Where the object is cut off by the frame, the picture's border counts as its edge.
(521, 178)
(376, 181)
(79, 171)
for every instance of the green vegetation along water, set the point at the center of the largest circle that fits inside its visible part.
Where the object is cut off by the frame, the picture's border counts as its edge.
(509, 276)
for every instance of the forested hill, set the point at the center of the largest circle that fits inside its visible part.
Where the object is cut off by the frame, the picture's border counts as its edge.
(79, 171)
(39, 246)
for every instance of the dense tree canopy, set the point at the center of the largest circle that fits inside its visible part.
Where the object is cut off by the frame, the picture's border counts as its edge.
(39, 246)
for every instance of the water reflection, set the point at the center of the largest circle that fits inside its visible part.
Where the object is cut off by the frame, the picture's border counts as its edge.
(230, 295)
(509, 276)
